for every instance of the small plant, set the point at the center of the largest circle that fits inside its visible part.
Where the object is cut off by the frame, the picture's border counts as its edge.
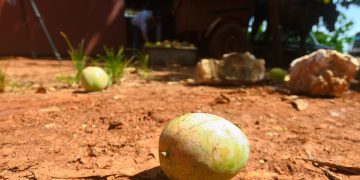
(68, 80)
(15, 85)
(144, 65)
(143, 60)
(115, 63)
(78, 55)
(2, 79)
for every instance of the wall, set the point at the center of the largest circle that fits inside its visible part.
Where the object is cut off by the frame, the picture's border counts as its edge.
(98, 22)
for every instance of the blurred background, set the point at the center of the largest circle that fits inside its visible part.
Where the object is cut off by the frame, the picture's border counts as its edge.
(277, 30)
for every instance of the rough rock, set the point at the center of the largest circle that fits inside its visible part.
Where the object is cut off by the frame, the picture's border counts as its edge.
(232, 68)
(207, 71)
(300, 104)
(322, 73)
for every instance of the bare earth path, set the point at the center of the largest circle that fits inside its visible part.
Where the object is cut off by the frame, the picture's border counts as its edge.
(114, 134)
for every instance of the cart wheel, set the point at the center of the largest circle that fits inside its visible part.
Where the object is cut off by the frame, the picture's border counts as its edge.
(227, 38)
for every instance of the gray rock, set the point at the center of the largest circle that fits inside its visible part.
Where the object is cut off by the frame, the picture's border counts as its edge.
(233, 68)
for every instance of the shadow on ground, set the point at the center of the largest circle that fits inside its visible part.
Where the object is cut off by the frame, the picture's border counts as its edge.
(355, 86)
(173, 73)
(150, 174)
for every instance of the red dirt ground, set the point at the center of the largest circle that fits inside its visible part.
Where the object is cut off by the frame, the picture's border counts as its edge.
(63, 133)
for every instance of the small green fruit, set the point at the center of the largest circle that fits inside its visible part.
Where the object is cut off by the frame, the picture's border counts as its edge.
(277, 74)
(94, 78)
(167, 45)
(202, 146)
(158, 44)
(148, 44)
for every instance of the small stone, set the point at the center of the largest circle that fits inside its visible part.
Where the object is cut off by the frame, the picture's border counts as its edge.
(271, 134)
(300, 104)
(289, 98)
(52, 89)
(293, 97)
(334, 114)
(172, 83)
(115, 124)
(190, 81)
(159, 109)
(131, 70)
(154, 153)
(222, 99)
(50, 126)
(164, 154)
(117, 97)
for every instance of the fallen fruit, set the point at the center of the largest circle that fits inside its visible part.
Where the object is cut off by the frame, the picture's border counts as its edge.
(158, 44)
(200, 145)
(167, 46)
(94, 78)
(277, 74)
(148, 44)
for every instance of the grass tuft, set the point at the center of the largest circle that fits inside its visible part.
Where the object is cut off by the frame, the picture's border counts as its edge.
(143, 60)
(78, 55)
(115, 63)
(2, 80)
(68, 80)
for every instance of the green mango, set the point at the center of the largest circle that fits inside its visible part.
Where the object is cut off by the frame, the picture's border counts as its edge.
(148, 44)
(277, 74)
(94, 78)
(199, 145)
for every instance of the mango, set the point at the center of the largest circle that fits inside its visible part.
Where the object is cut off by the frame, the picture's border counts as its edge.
(202, 146)
(277, 74)
(94, 78)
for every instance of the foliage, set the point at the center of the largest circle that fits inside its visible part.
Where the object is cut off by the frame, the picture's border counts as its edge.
(78, 56)
(260, 34)
(115, 63)
(143, 60)
(2, 79)
(17, 85)
(339, 37)
(68, 80)
(347, 3)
